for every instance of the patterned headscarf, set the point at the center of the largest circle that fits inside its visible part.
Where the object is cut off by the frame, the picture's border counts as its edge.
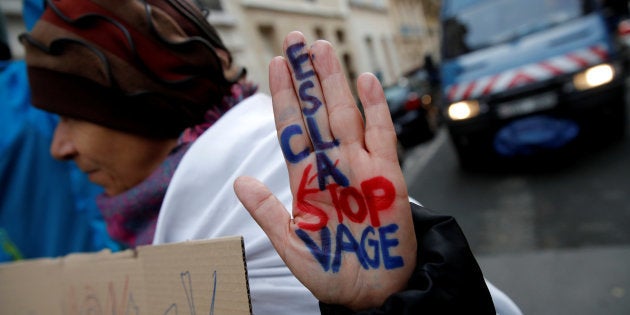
(149, 67)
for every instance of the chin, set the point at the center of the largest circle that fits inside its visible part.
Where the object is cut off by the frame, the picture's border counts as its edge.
(113, 192)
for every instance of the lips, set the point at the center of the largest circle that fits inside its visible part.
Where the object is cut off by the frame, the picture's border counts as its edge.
(92, 174)
(85, 169)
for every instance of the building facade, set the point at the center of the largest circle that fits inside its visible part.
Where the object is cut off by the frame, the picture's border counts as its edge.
(416, 31)
(361, 32)
(385, 37)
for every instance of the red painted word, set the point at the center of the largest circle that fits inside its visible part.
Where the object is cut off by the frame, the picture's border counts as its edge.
(377, 194)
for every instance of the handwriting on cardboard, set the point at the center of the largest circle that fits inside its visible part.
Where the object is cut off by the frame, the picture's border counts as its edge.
(200, 277)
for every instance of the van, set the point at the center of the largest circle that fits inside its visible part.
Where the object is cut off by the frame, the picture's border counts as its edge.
(527, 78)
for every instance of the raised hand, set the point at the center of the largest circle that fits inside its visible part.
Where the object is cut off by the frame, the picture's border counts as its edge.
(351, 239)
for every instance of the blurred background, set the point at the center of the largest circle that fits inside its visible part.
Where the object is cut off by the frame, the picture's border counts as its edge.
(511, 116)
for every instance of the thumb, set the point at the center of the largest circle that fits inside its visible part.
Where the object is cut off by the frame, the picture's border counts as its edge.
(265, 208)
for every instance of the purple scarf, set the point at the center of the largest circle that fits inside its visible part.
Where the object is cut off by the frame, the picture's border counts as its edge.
(131, 217)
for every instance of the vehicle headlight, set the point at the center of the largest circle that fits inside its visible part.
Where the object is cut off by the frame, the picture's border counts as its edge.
(594, 77)
(463, 110)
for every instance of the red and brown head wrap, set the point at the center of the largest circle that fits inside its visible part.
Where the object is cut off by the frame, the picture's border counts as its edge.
(150, 67)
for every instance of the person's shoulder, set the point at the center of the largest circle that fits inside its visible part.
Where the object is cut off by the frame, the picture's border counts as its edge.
(259, 98)
(249, 122)
(258, 102)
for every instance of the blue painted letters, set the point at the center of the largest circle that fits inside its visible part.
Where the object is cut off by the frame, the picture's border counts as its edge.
(285, 139)
(370, 245)
(312, 104)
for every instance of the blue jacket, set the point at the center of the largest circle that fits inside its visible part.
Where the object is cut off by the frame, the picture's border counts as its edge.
(47, 207)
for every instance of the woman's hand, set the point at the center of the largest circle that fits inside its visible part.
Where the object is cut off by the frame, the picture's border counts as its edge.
(351, 240)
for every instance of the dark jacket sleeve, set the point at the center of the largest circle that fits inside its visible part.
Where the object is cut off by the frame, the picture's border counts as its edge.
(446, 280)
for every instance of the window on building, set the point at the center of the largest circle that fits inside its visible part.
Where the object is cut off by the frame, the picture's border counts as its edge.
(349, 66)
(269, 41)
(369, 3)
(319, 33)
(341, 36)
(371, 51)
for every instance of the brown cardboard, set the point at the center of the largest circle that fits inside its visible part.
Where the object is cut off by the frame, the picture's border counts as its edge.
(196, 277)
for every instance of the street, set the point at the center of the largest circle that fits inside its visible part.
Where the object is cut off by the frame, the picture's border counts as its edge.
(556, 241)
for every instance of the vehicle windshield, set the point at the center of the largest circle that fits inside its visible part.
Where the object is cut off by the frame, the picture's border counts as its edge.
(470, 25)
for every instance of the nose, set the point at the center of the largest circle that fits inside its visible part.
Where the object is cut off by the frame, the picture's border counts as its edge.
(62, 146)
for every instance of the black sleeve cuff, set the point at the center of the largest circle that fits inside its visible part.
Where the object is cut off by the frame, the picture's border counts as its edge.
(446, 280)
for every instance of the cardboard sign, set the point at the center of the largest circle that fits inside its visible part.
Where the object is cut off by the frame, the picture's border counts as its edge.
(196, 277)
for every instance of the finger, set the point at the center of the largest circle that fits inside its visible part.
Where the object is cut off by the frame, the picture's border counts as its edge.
(294, 141)
(266, 210)
(344, 117)
(308, 90)
(380, 137)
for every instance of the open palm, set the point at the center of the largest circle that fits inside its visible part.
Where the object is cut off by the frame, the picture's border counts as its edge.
(351, 239)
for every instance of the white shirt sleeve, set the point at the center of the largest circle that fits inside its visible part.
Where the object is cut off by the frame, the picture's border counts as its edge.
(200, 202)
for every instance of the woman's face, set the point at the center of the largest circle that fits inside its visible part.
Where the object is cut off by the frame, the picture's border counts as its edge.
(113, 159)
